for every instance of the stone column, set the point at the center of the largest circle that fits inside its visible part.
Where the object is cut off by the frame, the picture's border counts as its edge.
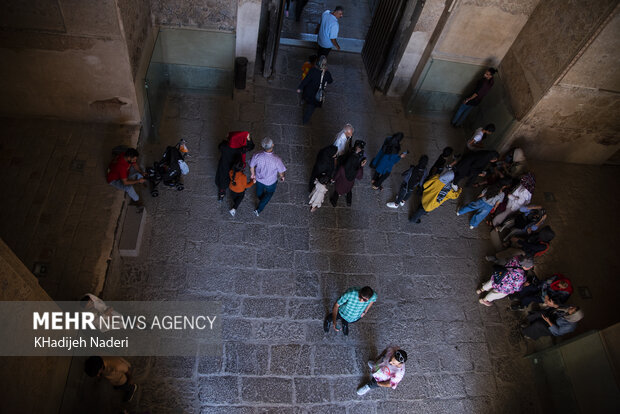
(248, 20)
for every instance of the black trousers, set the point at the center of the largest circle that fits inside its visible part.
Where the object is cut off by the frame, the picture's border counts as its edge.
(299, 7)
(308, 111)
(403, 194)
(334, 198)
(323, 51)
(221, 193)
(237, 198)
(417, 215)
(379, 178)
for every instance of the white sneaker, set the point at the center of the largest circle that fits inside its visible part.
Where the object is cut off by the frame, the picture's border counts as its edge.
(256, 213)
(458, 214)
(232, 212)
(363, 390)
(402, 203)
(471, 227)
(392, 204)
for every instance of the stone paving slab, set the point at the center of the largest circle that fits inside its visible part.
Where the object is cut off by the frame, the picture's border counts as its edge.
(277, 275)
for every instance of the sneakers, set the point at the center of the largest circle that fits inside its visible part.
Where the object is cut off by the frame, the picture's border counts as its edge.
(471, 227)
(345, 329)
(458, 214)
(232, 212)
(392, 205)
(138, 203)
(256, 213)
(363, 389)
(129, 394)
(371, 365)
(326, 324)
(402, 203)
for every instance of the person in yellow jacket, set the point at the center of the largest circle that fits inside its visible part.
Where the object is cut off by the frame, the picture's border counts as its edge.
(437, 189)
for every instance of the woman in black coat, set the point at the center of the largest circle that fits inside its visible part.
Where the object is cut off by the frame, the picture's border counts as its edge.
(473, 163)
(233, 149)
(309, 86)
(325, 164)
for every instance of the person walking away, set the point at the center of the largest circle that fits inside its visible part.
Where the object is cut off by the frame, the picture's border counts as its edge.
(238, 184)
(413, 179)
(437, 190)
(266, 168)
(350, 307)
(124, 172)
(232, 149)
(488, 199)
(387, 370)
(325, 164)
(352, 169)
(318, 77)
(483, 87)
(318, 193)
(327, 31)
(475, 142)
(385, 160)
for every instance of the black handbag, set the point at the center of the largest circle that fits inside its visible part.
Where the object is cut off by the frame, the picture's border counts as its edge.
(320, 94)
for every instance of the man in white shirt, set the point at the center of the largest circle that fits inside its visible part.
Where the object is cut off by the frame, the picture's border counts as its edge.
(343, 139)
(327, 31)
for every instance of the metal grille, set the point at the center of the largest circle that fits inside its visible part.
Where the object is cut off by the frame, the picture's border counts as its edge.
(380, 36)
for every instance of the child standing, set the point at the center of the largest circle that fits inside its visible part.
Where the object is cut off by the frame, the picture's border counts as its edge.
(309, 64)
(318, 194)
(238, 184)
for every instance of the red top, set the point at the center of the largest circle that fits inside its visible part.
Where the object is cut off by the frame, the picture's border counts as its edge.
(118, 169)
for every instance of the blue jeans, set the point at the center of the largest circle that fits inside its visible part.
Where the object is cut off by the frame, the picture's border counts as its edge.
(264, 194)
(133, 175)
(461, 114)
(481, 209)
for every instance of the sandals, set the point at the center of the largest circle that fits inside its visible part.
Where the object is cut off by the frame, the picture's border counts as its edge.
(485, 302)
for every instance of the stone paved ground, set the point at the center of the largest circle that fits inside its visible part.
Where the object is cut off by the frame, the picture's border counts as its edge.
(278, 274)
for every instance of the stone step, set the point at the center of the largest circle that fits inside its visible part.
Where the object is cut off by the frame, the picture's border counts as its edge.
(309, 41)
(133, 229)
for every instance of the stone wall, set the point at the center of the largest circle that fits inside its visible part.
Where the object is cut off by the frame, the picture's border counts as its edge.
(566, 106)
(136, 18)
(29, 384)
(65, 59)
(204, 14)
(552, 37)
(482, 31)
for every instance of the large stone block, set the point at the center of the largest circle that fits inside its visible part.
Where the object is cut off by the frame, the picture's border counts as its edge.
(291, 360)
(312, 390)
(445, 386)
(245, 358)
(218, 389)
(264, 308)
(267, 390)
(280, 331)
(335, 359)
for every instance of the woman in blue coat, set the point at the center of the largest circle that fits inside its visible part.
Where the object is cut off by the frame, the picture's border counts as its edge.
(385, 160)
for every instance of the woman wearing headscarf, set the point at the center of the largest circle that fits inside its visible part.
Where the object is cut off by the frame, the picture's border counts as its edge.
(325, 164)
(473, 164)
(519, 197)
(385, 160)
(232, 149)
(318, 77)
(351, 169)
(555, 322)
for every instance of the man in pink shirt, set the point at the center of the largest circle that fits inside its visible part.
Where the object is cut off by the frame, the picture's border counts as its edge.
(266, 168)
(387, 370)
